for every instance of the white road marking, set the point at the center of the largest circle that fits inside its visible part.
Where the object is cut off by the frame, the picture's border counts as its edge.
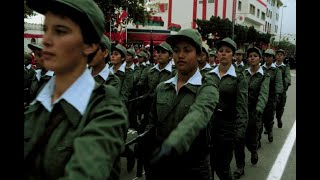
(139, 177)
(281, 161)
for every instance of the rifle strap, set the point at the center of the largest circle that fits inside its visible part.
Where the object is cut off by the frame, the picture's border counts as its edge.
(56, 117)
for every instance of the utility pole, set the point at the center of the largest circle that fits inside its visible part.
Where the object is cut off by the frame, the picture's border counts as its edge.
(281, 22)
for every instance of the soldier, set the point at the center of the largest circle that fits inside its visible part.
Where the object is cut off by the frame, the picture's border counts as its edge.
(42, 76)
(75, 128)
(231, 113)
(275, 91)
(212, 57)
(99, 67)
(203, 64)
(239, 63)
(180, 113)
(28, 75)
(286, 78)
(118, 57)
(258, 92)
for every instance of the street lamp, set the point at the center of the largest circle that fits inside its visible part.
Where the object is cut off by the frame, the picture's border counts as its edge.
(281, 22)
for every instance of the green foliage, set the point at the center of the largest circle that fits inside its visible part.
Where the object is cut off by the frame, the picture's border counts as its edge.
(221, 28)
(27, 11)
(136, 11)
(288, 47)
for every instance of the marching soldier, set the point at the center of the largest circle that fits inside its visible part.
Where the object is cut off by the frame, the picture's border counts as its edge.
(286, 78)
(76, 127)
(275, 91)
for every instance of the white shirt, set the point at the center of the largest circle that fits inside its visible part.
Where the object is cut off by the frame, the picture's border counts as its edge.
(78, 94)
(241, 64)
(279, 65)
(272, 65)
(231, 71)
(196, 79)
(206, 66)
(168, 67)
(104, 73)
(121, 68)
(260, 70)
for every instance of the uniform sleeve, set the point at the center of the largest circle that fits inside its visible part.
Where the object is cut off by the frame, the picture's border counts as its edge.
(242, 107)
(126, 87)
(114, 81)
(197, 118)
(287, 78)
(263, 94)
(278, 82)
(101, 141)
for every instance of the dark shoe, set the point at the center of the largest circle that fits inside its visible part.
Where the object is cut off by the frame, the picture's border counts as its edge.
(254, 158)
(131, 160)
(279, 123)
(259, 144)
(238, 173)
(270, 136)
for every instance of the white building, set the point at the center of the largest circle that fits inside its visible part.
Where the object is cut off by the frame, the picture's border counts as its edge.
(262, 14)
(32, 34)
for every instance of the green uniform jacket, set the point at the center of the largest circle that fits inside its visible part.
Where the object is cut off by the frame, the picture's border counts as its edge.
(126, 84)
(205, 70)
(181, 126)
(276, 85)
(286, 77)
(258, 91)
(81, 147)
(112, 80)
(233, 105)
(142, 86)
(154, 77)
(240, 68)
(36, 85)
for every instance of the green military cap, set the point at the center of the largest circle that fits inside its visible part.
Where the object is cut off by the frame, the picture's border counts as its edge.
(205, 48)
(121, 49)
(269, 51)
(34, 46)
(239, 51)
(132, 52)
(86, 8)
(254, 49)
(165, 46)
(228, 42)
(105, 42)
(280, 50)
(27, 56)
(191, 34)
(142, 54)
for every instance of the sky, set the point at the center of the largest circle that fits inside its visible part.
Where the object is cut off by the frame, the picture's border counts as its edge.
(288, 21)
(289, 17)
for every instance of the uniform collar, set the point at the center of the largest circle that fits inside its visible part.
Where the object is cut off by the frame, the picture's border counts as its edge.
(82, 87)
(272, 65)
(260, 70)
(207, 66)
(231, 71)
(279, 65)
(195, 79)
(168, 67)
(241, 64)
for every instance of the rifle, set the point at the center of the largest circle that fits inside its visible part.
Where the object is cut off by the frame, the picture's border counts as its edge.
(139, 137)
(137, 98)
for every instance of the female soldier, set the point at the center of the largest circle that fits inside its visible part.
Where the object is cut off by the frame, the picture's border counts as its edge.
(275, 91)
(118, 57)
(99, 67)
(181, 110)
(203, 64)
(231, 113)
(75, 128)
(258, 92)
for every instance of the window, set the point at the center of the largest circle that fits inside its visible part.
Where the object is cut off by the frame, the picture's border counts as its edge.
(270, 14)
(239, 6)
(258, 13)
(252, 9)
(267, 12)
(210, 1)
(263, 16)
(277, 16)
(265, 27)
(276, 29)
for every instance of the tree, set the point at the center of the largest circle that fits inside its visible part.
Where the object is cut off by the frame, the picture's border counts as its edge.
(221, 28)
(111, 9)
(27, 11)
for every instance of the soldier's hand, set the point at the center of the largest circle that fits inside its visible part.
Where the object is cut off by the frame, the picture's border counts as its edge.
(162, 154)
